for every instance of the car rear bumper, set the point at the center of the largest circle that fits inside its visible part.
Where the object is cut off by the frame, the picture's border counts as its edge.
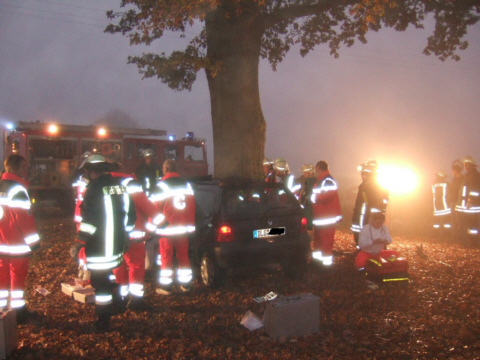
(260, 251)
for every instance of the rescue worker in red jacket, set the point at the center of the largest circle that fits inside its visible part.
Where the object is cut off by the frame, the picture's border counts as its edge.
(18, 235)
(468, 203)
(80, 186)
(174, 197)
(326, 213)
(108, 215)
(371, 198)
(441, 207)
(131, 273)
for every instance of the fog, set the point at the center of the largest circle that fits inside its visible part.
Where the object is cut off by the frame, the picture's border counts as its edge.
(383, 100)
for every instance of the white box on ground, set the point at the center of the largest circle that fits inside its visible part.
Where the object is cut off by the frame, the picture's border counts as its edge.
(295, 315)
(86, 295)
(8, 332)
(70, 288)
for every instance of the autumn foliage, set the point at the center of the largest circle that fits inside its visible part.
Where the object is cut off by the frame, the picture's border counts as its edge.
(435, 316)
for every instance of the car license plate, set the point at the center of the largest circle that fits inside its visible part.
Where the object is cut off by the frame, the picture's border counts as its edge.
(268, 232)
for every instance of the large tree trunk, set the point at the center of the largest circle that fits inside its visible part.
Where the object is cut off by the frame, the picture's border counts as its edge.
(238, 123)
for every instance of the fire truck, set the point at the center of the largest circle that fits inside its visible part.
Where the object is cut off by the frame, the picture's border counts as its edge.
(54, 154)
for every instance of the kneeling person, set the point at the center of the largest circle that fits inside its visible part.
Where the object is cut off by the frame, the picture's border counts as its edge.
(372, 241)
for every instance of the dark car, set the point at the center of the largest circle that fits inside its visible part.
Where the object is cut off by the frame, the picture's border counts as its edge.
(245, 223)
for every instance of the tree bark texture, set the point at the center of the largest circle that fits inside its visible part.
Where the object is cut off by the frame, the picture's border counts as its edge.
(239, 127)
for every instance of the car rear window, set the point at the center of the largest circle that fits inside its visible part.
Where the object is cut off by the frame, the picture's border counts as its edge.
(258, 200)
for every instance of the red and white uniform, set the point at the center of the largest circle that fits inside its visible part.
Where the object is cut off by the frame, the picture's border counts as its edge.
(18, 237)
(131, 273)
(80, 186)
(326, 213)
(174, 198)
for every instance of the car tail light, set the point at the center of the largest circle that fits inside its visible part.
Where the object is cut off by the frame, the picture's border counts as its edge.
(225, 234)
(303, 225)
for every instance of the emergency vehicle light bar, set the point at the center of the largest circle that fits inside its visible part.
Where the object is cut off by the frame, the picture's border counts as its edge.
(40, 126)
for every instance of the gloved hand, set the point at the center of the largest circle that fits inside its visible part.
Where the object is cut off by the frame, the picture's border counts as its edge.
(75, 249)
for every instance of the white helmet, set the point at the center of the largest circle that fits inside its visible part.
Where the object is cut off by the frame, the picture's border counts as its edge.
(267, 162)
(95, 159)
(148, 152)
(280, 164)
(307, 168)
(468, 160)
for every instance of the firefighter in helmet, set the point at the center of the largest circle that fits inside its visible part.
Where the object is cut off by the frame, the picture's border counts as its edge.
(148, 172)
(283, 176)
(108, 215)
(468, 203)
(174, 198)
(441, 207)
(306, 182)
(130, 275)
(326, 213)
(371, 198)
(18, 235)
(268, 171)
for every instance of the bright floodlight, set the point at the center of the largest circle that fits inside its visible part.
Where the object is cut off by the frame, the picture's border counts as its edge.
(396, 179)
(52, 129)
(9, 126)
(102, 131)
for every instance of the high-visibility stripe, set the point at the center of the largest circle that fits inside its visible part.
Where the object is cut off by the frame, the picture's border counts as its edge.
(327, 221)
(88, 228)
(103, 299)
(184, 275)
(123, 290)
(137, 234)
(167, 192)
(136, 289)
(166, 277)
(31, 239)
(317, 255)
(15, 249)
(175, 230)
(109, 226)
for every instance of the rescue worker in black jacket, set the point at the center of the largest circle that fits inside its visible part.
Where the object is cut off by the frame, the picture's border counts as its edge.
(108, 215)
(371, 197)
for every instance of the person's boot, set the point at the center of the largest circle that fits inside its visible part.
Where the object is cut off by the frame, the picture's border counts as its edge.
(118, 301)
(23, 315)
(136, 303)
(104, 312)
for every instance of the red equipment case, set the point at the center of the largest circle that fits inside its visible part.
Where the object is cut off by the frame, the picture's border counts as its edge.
(387, 270)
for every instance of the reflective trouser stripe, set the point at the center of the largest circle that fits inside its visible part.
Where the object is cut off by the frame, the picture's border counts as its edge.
(317, 255)
(184, 275)
(17, 299)
(3, 298)
(166, 276)
(103, 299)
(136, 289)
(123, 290)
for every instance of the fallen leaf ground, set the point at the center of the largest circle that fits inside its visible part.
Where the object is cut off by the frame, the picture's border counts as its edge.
(436, 316)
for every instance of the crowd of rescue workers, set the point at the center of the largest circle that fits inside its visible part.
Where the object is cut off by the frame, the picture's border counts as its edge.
(122, 219)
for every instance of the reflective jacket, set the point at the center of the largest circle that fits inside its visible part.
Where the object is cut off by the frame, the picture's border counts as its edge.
(80, 186)
(18, 233)
(325, 201)
(469, 196)
(441, 206)
(174, 198)
(290, 183)
(371, 197)
(148, 216)
(108, 215)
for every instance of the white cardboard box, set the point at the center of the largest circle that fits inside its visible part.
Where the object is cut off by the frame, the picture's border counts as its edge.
(295, 315)
(8, 332)
(70, 288)
(86, 295)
